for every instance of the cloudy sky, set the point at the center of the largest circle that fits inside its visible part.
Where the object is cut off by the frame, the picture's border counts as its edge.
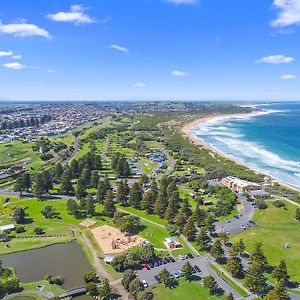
(150, 49)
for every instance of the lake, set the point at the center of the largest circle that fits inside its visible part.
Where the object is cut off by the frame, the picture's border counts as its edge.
(66, 260)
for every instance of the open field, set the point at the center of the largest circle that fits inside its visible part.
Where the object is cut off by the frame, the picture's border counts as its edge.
(67, 139)
(276, 227)
(185, 290)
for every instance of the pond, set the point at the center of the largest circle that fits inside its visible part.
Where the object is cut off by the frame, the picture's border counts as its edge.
(66, 260)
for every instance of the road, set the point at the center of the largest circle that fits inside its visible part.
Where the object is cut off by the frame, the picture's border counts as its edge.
(76, 148)
(233, 226)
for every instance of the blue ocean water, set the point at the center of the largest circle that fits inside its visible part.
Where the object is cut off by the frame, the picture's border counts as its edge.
(269, 143)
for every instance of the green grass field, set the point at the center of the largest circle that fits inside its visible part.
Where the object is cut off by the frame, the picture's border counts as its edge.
(67, 139)
(276, 227)
(11, 153)
(185, 290)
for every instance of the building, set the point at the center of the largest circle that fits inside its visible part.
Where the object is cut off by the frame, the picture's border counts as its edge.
(239, 185)
(7, 227)
(259, 194)
(172, 243)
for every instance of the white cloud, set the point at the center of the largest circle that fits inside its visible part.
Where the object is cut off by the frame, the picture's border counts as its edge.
(139, 84)
(76, 15)
(14, 66)
(179, 73)
(276, 59)
(182, 1)
(35, 67)
(288, 77)
(289, 13)
(119, 48)
(16, 57)
(23, 29)
(5, 53)
(51, 71)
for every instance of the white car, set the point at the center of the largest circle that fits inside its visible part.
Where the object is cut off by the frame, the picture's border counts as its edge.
(145, 284)
(181, 256)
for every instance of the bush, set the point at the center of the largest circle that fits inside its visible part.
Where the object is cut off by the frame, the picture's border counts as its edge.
(278, 203)
(20, 229)
(38, 230)
(261, 204)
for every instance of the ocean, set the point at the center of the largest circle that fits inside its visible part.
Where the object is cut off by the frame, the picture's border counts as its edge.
(269, 142)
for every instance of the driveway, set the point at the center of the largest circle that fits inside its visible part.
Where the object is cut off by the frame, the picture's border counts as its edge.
(201, 261)
(233, 226)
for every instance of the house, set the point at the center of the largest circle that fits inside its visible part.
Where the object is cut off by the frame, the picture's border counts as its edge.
(239, 185)
(172, 243)
(7, 227)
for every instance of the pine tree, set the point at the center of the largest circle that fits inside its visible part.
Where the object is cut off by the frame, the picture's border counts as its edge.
(185, 209)
(86, 176)
(19, 185)
(26, 181)
(280, 272)
(39, 188)
(187, 271)
(135, 196)
(80, 189)
(235, 267)
(121, 196)
(66, 183)
(241, 246)
(255, 280)
(74, 169)
(210, 223)
(172, 209)
(148, 201)
(180, 221)
(277, 293)
(199, 216)
(90, 205)
(94, 179)
(210, 283)
(203, 240)
(257, 256)
(47, 180)
(72, 207)
(59, 170)
(109, 207)
(189, 230)
(216, 250)
(101, 191)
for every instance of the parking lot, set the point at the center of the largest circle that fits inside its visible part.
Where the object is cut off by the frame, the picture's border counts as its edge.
(172, 267)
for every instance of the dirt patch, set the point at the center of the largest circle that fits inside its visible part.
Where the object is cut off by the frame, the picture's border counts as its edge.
(112, 240)
(87, 223)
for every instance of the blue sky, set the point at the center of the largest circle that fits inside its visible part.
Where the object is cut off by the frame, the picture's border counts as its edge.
(150, 50)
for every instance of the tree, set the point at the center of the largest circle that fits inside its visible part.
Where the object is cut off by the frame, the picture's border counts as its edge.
(39, 188)
(102, 189)
(105, 290)
(47, 180)
(19, 215)
(180, 221)
(129, 224)
(109, 207)
(72, 207)
(211, 284)
(189, 230)
(187, 271)
(199, 216)
(148, 201)
(280, 272)
(19, 186)
(255, 280)
(94, 179)
(297, 214)
(165, 278)
(235, 267)
(145, 295)
(278, 293)
(135, 196)
(229, 297)
(90, 205)
(121, 196)
(172, 209)
(86, 176)
(135, 287)
(241, 246)
(203, 240)
(146, 253)
(49, 212)
(186, 209)
(210, 223)
(59, 170)
(80, 189)
(128, 276)
(216, 250)
(38, 230)
(257, 256)
(26, 181)
(92, 289)
(66, 183)
(90, 277)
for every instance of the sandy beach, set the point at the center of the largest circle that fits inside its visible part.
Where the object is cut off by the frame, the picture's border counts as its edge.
(186, 131)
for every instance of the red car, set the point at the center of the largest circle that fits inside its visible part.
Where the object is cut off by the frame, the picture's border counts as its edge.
(146, 266)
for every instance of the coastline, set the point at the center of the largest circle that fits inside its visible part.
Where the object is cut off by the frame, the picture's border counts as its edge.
(186, 132)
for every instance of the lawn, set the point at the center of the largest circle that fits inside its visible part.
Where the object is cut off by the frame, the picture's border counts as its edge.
(11, 153)
(276, 227)
(185, 290)
(67, 139)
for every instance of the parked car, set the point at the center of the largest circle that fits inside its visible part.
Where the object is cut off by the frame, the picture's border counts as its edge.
(151, 265)
(189, 255)
(197, 269)
(167, 259)
(181, 257)
(146, 266)
(156, 279)
(145, 284)
(172, 259)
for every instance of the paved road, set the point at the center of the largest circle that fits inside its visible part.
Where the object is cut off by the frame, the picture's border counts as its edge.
(233, 226)
(76, 148)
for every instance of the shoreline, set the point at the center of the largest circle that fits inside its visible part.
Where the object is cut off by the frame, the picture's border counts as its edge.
(186, 132)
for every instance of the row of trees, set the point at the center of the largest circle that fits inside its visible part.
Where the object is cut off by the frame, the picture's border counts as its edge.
(29, 122)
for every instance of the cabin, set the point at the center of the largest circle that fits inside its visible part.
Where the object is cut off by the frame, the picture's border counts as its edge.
(172, 243)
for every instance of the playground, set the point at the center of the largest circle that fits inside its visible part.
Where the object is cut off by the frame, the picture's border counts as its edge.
(112, 240)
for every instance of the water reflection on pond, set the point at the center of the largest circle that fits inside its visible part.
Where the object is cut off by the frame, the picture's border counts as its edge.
(66, 260)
